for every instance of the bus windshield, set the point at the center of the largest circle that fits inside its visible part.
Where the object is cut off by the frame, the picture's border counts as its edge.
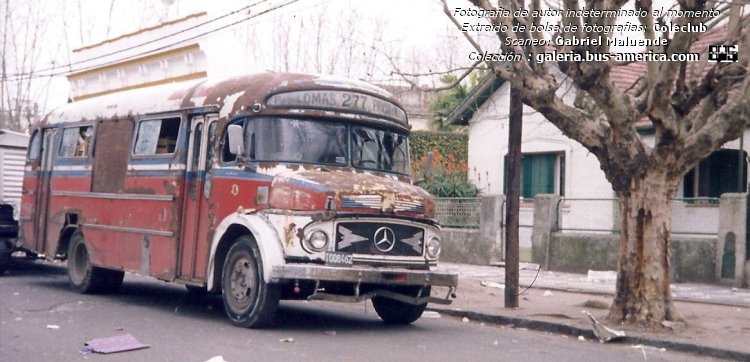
(327, 143)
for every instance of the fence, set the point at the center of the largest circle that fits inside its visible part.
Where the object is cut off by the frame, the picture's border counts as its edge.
(462, 213)
(690, 216)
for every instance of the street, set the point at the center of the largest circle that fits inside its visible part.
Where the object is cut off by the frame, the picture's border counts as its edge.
(179, 326)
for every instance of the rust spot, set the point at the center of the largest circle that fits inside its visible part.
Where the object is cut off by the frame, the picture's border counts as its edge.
(289, 234)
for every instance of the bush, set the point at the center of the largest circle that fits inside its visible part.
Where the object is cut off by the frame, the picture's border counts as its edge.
(448, 175)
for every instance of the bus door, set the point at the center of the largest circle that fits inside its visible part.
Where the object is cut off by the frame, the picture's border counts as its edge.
(194, 241)
(43, 190)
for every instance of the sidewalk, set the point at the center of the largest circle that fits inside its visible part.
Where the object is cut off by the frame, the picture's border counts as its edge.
(717, 317)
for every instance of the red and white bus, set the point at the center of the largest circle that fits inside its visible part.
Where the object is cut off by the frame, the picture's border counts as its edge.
(261, 187)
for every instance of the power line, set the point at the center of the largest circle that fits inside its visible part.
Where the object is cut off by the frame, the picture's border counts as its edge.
(22, 76)
(69, 65)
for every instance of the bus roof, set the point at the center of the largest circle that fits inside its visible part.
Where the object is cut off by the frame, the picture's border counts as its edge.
(230, 96)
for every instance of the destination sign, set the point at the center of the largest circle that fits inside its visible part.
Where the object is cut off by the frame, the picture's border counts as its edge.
(341, 101)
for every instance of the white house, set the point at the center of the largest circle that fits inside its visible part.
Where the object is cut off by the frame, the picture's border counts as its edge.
(553, 163)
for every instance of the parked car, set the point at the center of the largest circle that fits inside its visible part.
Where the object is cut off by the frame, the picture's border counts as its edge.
(8, 235)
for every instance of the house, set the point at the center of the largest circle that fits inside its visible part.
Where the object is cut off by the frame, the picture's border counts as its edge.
(554, 164)
(12, 157)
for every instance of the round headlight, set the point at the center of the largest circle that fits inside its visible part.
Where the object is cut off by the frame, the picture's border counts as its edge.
(317, 241)
(433, 248)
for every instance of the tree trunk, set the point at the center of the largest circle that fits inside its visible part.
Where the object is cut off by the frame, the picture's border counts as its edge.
(643, 292)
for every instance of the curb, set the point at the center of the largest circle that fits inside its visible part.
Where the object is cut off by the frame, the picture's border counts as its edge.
(560, 328)
(676, 299)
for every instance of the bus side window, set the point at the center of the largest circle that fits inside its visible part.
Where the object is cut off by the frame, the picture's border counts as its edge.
(249, 135)
(76, 141)
(35, 146)
(157, 137)
(226, 156)
(211, 153)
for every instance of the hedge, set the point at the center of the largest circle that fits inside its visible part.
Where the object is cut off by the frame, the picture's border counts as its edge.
(445, 143)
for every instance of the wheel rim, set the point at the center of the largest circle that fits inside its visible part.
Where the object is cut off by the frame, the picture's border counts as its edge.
(242, 283)
(79, 261)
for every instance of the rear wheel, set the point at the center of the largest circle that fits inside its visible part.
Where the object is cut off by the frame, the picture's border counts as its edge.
(249, 301)
(392, 311)
(86, 278)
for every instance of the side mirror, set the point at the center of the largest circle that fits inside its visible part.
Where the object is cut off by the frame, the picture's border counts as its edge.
(236, 146)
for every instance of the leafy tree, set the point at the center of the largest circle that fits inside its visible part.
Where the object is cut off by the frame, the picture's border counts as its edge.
(448, 100)
(694, 107)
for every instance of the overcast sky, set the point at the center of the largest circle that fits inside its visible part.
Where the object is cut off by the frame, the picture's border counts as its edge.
(414, 24)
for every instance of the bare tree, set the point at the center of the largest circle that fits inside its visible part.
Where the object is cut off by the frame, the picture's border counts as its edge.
(21, 51)
(692, 117)
(317, 39)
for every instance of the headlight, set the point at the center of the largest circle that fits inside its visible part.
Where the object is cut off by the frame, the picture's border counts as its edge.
(433, 248)
(317, 241)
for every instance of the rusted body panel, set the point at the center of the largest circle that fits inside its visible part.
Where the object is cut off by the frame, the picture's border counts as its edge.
(230, 96)
(173, 215)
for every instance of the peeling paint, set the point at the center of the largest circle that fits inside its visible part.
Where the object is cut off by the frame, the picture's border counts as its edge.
(229, 101)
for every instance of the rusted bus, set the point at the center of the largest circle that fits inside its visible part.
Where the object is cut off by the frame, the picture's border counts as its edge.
(260, 187)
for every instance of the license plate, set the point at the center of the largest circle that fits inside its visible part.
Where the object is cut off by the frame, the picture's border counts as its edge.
(339, 259)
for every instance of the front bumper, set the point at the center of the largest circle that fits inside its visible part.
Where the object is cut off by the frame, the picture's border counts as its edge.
(361, 275)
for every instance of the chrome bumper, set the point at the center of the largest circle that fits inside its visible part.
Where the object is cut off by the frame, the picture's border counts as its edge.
(360, 275)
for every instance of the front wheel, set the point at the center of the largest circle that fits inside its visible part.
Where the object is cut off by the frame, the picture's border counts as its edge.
(86, 278)
(395, 312)
(249, 301)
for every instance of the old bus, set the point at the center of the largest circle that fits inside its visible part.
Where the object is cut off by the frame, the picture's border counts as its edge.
(260, 187)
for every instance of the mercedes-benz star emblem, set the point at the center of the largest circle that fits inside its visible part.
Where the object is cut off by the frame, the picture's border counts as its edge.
(384, 239)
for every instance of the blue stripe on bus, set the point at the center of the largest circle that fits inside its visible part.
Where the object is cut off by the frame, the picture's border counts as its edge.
(243, 175)
(158, 160)
(66, 173)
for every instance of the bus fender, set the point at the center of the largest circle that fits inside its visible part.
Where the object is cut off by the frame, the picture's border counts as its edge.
(265, 235)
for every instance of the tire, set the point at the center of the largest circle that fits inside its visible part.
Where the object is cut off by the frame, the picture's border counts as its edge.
(196, 290)
(249, 301)
(86, 278)
(395, 312)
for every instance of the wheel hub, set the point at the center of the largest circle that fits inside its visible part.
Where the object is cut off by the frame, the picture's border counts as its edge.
(242, 280)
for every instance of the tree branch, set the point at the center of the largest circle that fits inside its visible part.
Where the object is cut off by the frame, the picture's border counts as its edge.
(458, 80)
(495, 66)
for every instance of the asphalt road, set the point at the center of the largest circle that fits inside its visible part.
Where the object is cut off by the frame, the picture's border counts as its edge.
(180, 326)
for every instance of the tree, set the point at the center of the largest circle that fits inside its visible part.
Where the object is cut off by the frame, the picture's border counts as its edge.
(20, 37)
(694, 107)
(448, 100)
(321, 40)
(35, 46)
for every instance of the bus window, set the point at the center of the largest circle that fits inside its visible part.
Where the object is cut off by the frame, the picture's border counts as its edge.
(35, 147)
(226, 154)
(379, 150)
(211, 139)
(297, 140)
(157, 137)
(76, 141)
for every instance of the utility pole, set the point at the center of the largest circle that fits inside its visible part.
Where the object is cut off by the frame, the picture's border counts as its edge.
(515, 123)
(513, 199)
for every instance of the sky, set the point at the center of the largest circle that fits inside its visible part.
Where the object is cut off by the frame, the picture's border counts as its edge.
(406, 25)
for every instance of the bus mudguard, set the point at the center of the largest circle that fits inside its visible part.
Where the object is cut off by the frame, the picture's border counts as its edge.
(265, 235)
